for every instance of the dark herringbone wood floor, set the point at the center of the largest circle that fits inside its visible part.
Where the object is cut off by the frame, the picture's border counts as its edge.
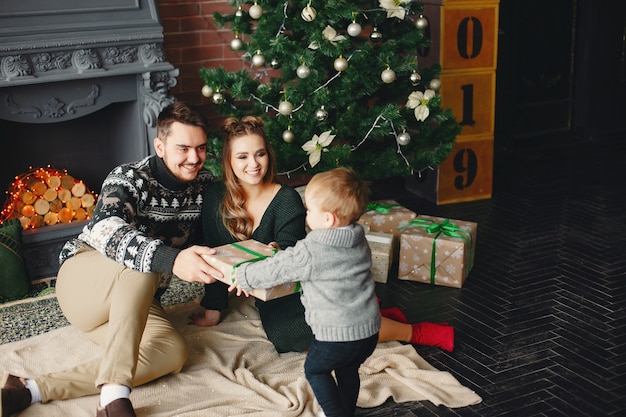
(540, 323)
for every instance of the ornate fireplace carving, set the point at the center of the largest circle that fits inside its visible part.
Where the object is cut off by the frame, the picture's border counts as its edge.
(81, 86)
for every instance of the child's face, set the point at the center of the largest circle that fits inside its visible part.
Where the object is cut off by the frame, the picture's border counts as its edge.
(315, 217)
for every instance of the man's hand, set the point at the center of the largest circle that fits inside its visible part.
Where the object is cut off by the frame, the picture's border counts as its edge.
(191, 267)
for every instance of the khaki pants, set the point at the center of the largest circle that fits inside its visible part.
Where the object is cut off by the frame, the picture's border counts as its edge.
(115, 307)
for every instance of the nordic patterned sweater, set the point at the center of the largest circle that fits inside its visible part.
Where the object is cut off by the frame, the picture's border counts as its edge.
(338, 291)
(144, 217)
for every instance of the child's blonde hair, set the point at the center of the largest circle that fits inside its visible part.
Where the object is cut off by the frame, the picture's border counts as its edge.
(341, 192)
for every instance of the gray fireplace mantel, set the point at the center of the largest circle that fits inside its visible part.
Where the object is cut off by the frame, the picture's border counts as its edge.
(43, 41)
(81, 87)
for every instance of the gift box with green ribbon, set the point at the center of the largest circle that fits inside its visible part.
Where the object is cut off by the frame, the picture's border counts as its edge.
(436, 250)
(383, 247)
(229, 257)
(386, 216)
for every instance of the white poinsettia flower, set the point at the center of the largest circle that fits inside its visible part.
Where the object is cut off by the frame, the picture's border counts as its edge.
(395, 8)
(316, 146)
(419, 101)
(331, 34)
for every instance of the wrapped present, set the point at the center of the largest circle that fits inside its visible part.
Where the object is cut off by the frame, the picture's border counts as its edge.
(383, 247)
(229, 257)
(385, 216)
(436, 250)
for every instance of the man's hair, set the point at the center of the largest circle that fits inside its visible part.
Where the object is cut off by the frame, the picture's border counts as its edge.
(341, 192)
(179, 111)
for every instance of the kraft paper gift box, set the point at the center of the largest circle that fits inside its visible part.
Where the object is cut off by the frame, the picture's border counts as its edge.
(385, 216)
(228, 257)
(436, 250)
(383, 247)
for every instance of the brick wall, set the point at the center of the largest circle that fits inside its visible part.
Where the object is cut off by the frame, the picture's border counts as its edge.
(192, 40)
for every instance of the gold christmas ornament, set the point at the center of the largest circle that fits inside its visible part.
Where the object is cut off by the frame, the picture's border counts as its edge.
(308, 14)
(255, 11)
(285, 108)
(341, 64)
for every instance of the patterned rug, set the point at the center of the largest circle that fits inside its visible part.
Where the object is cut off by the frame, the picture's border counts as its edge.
(39, 314)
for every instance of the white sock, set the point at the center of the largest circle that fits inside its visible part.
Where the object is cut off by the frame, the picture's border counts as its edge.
(35, 394)
(111, 392)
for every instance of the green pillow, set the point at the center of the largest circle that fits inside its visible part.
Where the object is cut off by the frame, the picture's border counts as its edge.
(14, 282)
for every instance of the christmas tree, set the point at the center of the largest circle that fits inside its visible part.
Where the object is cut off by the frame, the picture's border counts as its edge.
(338, 83)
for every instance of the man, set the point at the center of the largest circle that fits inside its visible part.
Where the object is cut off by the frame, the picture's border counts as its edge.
(111, 276)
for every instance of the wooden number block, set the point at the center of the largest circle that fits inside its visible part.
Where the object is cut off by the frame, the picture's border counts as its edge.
(463, 34)
(471, 97)
(465, 175)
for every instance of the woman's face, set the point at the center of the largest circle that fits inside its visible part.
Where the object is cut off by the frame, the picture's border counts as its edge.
(249, 159)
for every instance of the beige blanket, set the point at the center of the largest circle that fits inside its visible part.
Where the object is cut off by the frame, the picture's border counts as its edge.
(233, 370)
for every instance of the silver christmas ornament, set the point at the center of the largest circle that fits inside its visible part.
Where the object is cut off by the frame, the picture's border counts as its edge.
(207, 91)
(239, 12)
(255, 11)
(308, 14)
(421, 22)
(415, 78)
(303, 71)
(285, 108)
(288, 136)
(236, 44)
(341, 64)
(435, 84)
(217, 98)
(376, 36)
(354, 29)
(321, 114)
(388, 76)
(403, 138)
(258, 60)
(274, 63)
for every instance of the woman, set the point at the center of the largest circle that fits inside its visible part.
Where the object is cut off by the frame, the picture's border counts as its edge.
(250, 204)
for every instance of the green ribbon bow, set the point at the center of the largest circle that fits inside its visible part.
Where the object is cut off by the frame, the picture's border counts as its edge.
(383, 208)
(447, 228)
(257, 257)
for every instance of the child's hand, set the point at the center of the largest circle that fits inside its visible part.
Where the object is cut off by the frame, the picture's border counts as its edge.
(235, 285)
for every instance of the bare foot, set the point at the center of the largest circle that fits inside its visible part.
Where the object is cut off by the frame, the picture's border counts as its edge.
(207, 318)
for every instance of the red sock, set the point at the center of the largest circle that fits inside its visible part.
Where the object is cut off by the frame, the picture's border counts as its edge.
(394, 313)
(433, 334)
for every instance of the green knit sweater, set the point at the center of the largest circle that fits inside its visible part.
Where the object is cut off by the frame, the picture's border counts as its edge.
(284, 223)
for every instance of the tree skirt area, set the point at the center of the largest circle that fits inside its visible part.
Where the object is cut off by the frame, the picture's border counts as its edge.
(232, 370)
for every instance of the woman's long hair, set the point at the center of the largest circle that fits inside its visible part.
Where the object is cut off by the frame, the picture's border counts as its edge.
(234, 214)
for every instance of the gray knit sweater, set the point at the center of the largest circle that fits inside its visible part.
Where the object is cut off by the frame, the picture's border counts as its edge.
(333, 267)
